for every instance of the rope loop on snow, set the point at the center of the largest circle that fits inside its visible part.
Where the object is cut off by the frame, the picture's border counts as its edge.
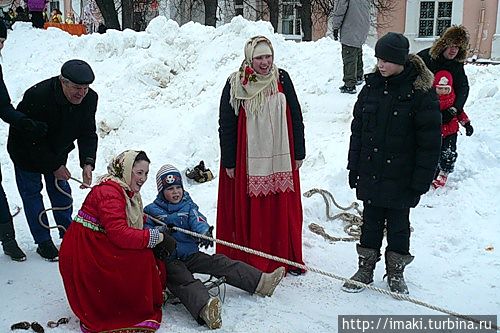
(353, 221)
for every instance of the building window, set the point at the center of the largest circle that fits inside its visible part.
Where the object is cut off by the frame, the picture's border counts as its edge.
(290, 19)
(435, 17)
(53, 5)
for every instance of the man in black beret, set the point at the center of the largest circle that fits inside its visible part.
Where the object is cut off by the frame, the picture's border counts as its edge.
(65, 107)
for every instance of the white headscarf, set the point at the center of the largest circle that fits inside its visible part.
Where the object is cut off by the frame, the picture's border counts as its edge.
(247, 86)
(120, 171)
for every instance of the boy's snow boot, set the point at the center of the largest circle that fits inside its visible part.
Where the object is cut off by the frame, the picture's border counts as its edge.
(9, 244)
(395, 264)
(440, 180)
(269, 281)
(367, 259)
(48, 251)
(211, 313)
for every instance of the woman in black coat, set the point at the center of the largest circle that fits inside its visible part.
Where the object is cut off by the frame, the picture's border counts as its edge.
(393, 154)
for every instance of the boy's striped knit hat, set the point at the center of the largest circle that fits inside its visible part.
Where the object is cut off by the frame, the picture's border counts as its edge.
(167, 176)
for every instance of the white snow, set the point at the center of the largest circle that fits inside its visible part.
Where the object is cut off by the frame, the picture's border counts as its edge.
(159, 91)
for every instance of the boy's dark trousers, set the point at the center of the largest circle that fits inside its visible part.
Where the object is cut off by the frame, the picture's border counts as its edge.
(398, 228)
(449, 154)
(192, 292)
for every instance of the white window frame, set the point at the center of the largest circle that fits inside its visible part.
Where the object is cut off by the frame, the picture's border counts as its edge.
(294, 17)
(412, 21)
(435, 17)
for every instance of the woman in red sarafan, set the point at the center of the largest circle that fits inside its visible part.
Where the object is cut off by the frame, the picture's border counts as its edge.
(111, 277)
(261, 134)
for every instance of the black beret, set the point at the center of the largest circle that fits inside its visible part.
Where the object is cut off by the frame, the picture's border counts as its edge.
(3, 29)
(77, 71)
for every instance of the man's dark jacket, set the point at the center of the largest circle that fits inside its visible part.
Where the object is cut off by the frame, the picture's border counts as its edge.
(396, 137)
(66, 122)
(456, 68)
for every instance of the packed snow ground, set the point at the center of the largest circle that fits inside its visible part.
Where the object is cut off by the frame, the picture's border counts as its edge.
(159, 91)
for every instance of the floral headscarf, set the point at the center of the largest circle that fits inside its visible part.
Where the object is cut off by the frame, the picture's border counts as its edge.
(247, 86)
(120, 171)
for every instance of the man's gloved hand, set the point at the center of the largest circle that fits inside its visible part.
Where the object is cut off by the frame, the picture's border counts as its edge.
(205, 242)
(468, 129)
(166, 247)
(335, 34)
(353, 178)
(448, 114)
(36, 128)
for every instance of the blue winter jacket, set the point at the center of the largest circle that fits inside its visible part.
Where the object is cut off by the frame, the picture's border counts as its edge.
(184, 215)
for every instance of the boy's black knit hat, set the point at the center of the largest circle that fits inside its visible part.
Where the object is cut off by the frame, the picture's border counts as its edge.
(393, 47)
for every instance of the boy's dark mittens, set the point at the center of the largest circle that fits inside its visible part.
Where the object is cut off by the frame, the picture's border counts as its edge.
(468, 129)
(164, 249)
(169, 228)
(353, 178)
(206, 242)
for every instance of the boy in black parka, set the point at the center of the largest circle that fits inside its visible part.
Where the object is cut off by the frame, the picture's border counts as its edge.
(393, 154)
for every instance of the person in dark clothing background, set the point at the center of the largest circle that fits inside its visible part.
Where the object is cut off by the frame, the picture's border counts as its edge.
(449, 53)
(352, 19)
(36, 9)
(393, 153)
(11, 116)
(66, 106)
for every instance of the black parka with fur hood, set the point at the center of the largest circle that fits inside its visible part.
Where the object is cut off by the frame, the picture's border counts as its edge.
(433, 58)
(396, 137)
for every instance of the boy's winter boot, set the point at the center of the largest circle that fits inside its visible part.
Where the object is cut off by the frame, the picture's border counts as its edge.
(395, 264)
(211, 313)
(9, 244)
(367, 259)
(269, 281)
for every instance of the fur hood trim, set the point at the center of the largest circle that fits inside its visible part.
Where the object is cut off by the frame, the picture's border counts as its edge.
(425, 78)
(454, 35)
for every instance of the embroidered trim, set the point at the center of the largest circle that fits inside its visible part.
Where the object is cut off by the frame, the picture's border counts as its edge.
(154, 237)
(87, 216)
(271, 184)
(142, 327)
(88, 221)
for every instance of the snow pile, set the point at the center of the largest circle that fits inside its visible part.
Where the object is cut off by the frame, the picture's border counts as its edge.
(159, 91)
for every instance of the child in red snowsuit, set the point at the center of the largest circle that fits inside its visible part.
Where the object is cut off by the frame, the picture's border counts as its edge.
(451, 117)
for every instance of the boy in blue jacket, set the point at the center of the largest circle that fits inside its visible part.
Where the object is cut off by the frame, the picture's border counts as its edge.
(175, 207)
